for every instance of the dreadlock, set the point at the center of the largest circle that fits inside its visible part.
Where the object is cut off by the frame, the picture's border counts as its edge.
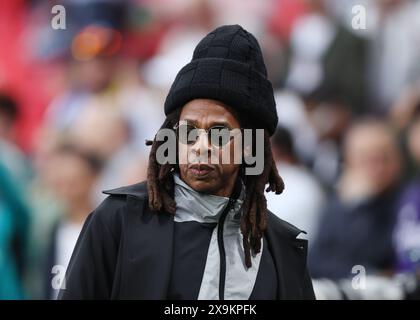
(254, 218)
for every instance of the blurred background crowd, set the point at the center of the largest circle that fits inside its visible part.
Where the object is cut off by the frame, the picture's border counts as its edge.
(76, 106)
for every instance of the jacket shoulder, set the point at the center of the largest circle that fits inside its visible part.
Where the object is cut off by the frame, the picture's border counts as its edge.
(283, 227)
(138, 190)
(112, 210)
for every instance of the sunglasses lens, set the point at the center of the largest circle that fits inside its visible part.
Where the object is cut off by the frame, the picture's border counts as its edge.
(187, 134)
(219, 136)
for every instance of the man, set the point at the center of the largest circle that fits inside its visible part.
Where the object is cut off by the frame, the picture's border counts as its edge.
(357, 224)
(199, 229)
(73, 187)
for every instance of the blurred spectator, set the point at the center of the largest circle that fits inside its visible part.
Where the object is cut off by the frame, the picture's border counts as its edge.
(407, 233)
(74, 187)
(102, 129)
(299, 182)
(47, 208)
(283, 16)
(406, 105)
(324, 54)
(10, 154)
(14, 212)
(330, 115)
(403, 115)
(293, 116)
(87, 79)
(317, 124)
(14, 224)
(395, 54)
(357, 225)
(192, 21)
(407, 239)
(326, 70)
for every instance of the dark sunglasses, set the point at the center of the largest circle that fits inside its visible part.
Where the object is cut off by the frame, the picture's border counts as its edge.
(218, 135)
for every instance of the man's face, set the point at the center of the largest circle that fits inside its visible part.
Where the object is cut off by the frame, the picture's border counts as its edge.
(372, 155)
(203, 168)
(74, 184)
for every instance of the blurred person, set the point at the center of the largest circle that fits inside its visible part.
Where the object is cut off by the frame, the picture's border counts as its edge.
(15, 174)
(139, 104)
(405, 106)
(325, 54)
(280, 21)
(294, 117)
(14, 227)
(317, 123)
(394, 54)
(358, 221)
(75, 174)
(87, 79)
(137, 243)
(283, 16)
(46, 208)
(50, 45)
(103, 129)
(105, 109)
(403, 115)
(10, 154)
(18, 65)
(92, 62)
(331, 91)
(407, 231)
(191, 20)
(329, 114)
(298, 181)
(345, 13)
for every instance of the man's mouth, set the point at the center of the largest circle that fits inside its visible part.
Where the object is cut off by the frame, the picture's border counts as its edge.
(200, 170)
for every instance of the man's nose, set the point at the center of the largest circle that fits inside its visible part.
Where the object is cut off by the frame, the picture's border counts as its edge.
(201, 147)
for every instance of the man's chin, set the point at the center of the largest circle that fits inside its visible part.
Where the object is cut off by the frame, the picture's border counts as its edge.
(203, 185)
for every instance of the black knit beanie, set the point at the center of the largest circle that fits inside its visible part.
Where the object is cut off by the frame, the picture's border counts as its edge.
(228, 66)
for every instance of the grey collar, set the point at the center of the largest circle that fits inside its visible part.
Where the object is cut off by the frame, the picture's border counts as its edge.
(205, 208)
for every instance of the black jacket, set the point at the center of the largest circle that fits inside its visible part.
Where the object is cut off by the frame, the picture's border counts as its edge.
(125, 252)
(336, 249)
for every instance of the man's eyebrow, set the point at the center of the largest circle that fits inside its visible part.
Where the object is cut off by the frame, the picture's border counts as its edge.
(220, 123)
(212, 124)
(190, 121)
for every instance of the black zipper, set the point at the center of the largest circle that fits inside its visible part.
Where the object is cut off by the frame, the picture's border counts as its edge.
(220, 242)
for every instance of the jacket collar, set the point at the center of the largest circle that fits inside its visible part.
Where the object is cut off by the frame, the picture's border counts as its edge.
(204, 208)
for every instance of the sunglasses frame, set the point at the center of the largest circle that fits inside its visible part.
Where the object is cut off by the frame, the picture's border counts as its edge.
(207, 131)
